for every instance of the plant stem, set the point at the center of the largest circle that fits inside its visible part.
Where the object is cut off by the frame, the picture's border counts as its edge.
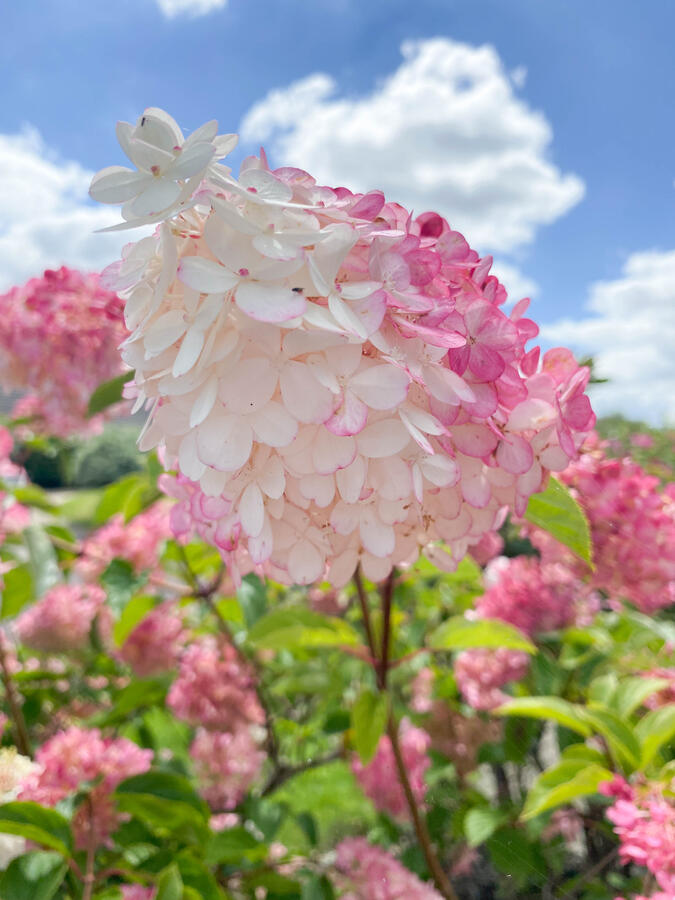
(14, 703)
(381, 667)
(89, 877)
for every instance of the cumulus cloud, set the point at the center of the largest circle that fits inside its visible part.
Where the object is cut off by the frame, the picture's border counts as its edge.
(172, 8)
(47, 219)
(631, 334)
(445, 131)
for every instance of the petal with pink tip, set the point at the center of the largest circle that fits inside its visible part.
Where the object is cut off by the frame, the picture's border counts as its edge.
(474, 440)
(515, 455)
(305, 563)
(447, 386)
(331, 452)
(350, 417)
(205, 275)
(303, 396)
(381, 386)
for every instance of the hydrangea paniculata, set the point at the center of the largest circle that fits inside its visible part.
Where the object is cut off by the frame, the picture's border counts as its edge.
(379, 778)
(214, 688)
(62, 619)
(80, 755)
(632, 522)
(226, 765)
(334, 380)
(643, 816)
(14, 768)
(155, 644)
(59, 336)
(367, 872)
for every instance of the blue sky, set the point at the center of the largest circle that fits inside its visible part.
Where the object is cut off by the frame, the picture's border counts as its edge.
(582, 212)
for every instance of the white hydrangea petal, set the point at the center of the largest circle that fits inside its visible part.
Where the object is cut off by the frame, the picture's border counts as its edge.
(157, 196)
(249, 386)
(305, 563)
(224, 442)
(272, 479)
(205, 275)
(269, 302)
(117, 184)
(447, 386)
(252, 510)
(381, 386)
(351, 479)
(274, 425)
(165, 331)
(159, 128)
(188, 457)
(194, 159)
(344, 316)
(303, 396)
(190, 348)
(377, 538)
(331, 452)
(383, 438)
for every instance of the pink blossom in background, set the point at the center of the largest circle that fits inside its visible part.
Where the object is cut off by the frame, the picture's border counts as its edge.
(481, 674)
(137, 892)
(379, 778)
(643, 816)
(7, 468)
(334, 380)
(367, 872)
(632, 521)
(155, 644)
(567, 824)
(80, 755)
(139, 541)
(226, 765)
(62, 619)
(214, 688)
(642, 440)
(422, 690)
(666, 696)
(490, 545)
(58, 340)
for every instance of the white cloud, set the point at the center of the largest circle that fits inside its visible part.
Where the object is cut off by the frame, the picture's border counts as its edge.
(445, 131)
(516, 283)
(172, 8)
(631, 334)
(47, 219)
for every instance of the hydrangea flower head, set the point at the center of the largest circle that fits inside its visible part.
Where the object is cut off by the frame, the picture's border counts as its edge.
(334, 380)
(379, 778)
(59, 336)
(63, 618)
(367, 872)
(80, 755)
(226, 765)
(154, 645)
(14, 768)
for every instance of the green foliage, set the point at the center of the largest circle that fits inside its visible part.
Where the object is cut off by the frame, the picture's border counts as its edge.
(108, 393)
(459, 633)
(556, 511)
(369, 720)
(34, 876)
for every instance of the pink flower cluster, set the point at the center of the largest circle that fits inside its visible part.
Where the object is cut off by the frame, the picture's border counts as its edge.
(139, 541)
(156, 642)
(534, 597)
(137, 892)
(58, 340)
(214, 689)
(62, 619)
(334, 380)
(666, 696)
(379, 778)
(643, 816)
(367, 872)
(79, 755)
(481, 674)
(226, 765)
(632, 522)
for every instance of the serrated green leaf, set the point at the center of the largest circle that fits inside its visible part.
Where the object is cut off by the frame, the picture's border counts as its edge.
(34, 876)
(654, 731)
(480, 822)
(369, 720)
(557, 512)
(36, 823)
(459, 633)
(567, 781)
(108, 393)
(548, 708)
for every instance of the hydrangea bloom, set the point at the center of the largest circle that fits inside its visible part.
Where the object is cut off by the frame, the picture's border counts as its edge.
(226, 765)
(14, 768)
(632, 522)
(214, 689)
(139, 541)
(155, 643)
(643, 816)
(63, 618)
(58, 336)
(137, 892)
(481, 674)
(666, 696)
(366, 872)
(379, 778)
(79, 755)
(334, 380)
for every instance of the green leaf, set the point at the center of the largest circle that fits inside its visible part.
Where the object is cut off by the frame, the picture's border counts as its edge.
(120, 582)
(132, 699)
(166, 785)
(633, 691)
(168, 818)
(108, 393)
(480, 822)
(654, 731)
(620, 737)
(36, 823)
(252, 597)
(42, 559)
(128, 496)
(317, 888)
(307, 822)
(197, 877)
(369, 719)
(298, 627)
(32, 495)
(583, 752)
(512, 853)
(170, 884)
(34, 876)
(556, 511)
(570, 779)
(18, 590)
(549, 708)
(459, 633)
(133, 614)
(231, 846)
